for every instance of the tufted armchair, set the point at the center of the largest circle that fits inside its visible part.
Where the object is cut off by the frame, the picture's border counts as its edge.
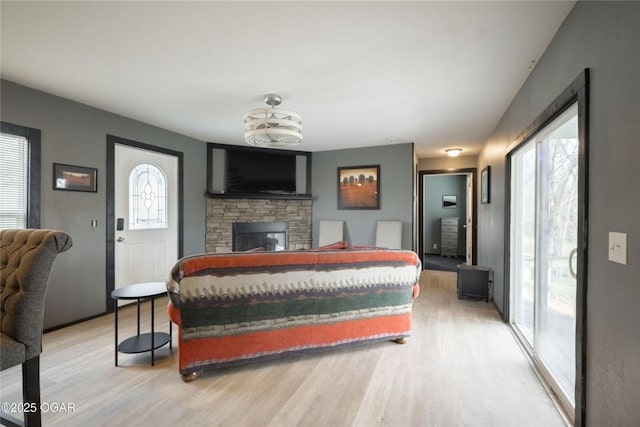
(26, 257)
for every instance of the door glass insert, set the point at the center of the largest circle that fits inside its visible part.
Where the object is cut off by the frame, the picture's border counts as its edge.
(147, 198)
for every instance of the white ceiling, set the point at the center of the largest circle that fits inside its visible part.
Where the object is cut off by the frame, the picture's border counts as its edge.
(440, 74)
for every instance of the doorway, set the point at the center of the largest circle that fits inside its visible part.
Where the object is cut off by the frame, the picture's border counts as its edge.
(447, 211)
(546, 240)
(144, 213)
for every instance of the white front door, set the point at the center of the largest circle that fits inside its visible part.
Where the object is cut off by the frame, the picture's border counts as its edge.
(146, 211)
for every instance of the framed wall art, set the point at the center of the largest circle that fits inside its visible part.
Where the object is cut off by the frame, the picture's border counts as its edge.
(449, 202)
(74, 178)
(485, 185)
(359, 187)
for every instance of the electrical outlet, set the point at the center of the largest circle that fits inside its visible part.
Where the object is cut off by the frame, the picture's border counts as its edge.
(435, 246)
(618, 247)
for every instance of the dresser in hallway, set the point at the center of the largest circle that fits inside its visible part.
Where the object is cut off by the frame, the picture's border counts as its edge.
(449, 236)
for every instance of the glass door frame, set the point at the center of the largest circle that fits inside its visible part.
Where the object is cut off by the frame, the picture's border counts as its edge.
(576, 92)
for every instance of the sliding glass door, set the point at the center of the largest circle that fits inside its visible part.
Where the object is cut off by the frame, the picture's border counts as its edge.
(543, 246)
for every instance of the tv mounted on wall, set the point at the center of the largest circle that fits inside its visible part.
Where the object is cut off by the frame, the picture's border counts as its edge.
(235, 171)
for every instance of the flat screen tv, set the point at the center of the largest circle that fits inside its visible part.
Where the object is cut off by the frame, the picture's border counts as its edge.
(257, 171)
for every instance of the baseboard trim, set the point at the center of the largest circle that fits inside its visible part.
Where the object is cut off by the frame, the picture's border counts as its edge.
(95, 316)
(75, 322)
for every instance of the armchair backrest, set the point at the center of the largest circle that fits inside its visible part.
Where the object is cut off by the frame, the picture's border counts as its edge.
(26, 257)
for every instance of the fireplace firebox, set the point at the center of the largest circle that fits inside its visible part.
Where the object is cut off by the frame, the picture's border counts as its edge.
(272, 236)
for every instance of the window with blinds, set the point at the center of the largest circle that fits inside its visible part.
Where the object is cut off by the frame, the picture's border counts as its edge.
(14, 181)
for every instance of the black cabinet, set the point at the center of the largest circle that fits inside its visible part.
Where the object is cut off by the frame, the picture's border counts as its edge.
(473, 282)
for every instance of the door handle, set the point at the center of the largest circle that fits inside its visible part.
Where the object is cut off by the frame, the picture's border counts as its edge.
(120, 239)
(571, 255)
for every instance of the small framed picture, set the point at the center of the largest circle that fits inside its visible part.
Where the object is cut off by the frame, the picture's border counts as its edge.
(485, 185)
(449, 202)
(359, 187)
(74, 178)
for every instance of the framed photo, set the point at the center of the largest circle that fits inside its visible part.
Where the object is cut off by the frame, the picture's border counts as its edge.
(74, 178)
(485, 185)
(449, 202)
(359, 187)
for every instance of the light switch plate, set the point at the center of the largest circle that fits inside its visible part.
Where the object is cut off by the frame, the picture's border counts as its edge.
(618, 247)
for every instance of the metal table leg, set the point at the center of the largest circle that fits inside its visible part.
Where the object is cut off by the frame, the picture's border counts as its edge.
(116, 342)
(152, 331)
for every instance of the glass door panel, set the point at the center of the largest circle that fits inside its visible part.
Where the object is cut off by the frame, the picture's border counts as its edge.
(543, 242)
(557, 240)
(523, 229)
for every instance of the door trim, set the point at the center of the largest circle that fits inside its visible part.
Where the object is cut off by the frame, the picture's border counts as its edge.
(110, 231)
(577, 91)
(474, 216)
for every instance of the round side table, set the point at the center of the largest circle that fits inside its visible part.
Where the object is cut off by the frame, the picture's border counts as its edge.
(141, 343)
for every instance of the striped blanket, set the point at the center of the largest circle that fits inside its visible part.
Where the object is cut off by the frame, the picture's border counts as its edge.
(234, 308)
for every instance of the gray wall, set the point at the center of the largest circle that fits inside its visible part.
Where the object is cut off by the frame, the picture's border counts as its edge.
(396, 194)
(436, 186)
(439, 163)
(74, 133)
(605, 37)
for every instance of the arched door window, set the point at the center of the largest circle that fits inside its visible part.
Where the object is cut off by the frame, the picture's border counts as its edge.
(147, 198)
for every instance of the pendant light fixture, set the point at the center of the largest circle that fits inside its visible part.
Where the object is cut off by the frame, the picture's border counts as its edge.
(272, 127)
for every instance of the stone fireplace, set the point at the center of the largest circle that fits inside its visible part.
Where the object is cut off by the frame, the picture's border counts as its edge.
(222, 213)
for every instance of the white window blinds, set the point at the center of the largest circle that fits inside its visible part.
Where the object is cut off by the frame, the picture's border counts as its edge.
(14, 182)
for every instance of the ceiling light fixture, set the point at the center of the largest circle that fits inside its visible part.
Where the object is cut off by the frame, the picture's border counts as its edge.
(453, 152)
(272, 127)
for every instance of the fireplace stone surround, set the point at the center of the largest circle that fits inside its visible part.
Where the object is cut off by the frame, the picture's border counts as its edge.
(222, 213)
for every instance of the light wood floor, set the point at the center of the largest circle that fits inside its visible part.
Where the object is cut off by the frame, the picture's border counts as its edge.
(461, 367)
